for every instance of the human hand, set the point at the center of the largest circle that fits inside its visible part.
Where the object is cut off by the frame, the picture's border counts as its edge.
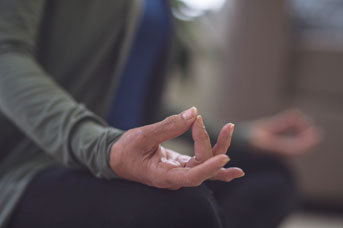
(138, 155)
(204, 151)
(287, 134)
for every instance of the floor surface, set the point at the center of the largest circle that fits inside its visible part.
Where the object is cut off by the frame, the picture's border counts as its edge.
(302, 220)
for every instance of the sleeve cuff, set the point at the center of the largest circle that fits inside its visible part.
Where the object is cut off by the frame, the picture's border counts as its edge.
(91, 145)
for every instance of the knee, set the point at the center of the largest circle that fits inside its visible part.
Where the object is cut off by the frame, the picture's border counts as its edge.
(280, 197)
(273, 193)
(143, 206)
(273, 180)
(274, 186)
(281, 186)
(192, 207)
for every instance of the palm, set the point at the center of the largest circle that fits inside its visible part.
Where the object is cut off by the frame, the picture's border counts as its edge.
(167, 163)
(168, 159)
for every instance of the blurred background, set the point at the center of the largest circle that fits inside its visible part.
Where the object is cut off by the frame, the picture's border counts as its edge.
(238, 60)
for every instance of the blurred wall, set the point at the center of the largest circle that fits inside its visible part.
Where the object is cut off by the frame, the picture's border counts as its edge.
(254, 59)
(264, 67)
(270, 67)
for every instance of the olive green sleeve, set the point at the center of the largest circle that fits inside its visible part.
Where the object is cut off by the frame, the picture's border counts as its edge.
(37, 105)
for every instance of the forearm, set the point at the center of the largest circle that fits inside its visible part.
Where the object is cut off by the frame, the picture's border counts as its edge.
(50, 117)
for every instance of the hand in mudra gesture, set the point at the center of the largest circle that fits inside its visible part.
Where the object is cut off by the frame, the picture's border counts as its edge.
(138, 154)
(286, 134)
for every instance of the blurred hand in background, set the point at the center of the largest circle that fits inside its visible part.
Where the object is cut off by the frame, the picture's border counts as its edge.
(288, 133)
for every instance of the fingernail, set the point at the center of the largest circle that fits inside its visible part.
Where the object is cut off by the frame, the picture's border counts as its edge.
(243, 173)
(225, 160)
(189, 113)
(232, 128)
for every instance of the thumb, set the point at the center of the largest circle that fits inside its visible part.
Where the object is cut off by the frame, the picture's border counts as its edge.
(170, 127)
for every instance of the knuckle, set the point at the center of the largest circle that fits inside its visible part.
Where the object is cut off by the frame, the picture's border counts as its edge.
(170, 121)
(135, 137)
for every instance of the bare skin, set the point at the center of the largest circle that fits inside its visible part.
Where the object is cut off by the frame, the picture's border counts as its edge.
(138, 155)
(286, 134)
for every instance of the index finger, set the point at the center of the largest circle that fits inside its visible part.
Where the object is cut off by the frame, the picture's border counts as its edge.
(170, 127)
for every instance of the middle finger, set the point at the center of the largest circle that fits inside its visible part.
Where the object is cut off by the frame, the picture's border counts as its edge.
(202, 144)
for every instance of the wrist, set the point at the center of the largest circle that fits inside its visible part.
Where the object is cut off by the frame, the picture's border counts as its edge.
(113, 156)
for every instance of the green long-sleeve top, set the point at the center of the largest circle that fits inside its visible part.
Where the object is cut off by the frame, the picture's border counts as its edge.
(59, 63)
